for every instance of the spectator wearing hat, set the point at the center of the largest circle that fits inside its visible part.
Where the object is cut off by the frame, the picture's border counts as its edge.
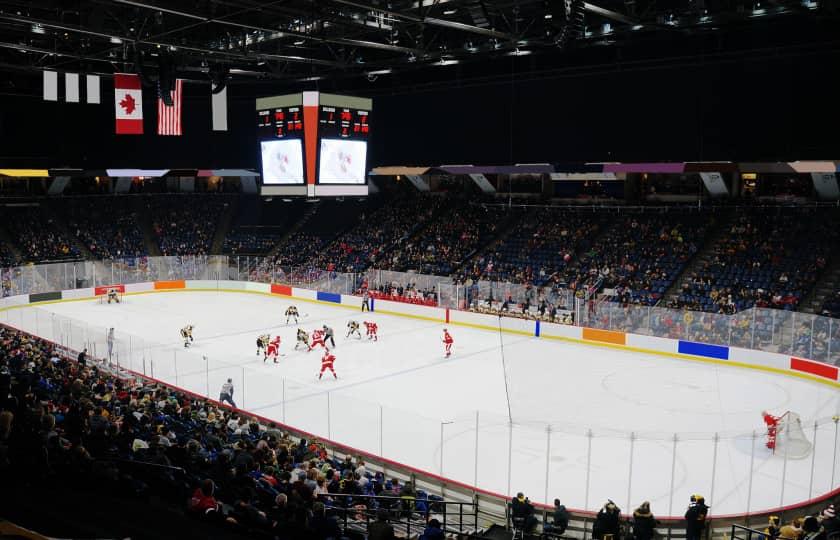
(773, 529)
(607, 522)
(522, 511)
(695, 517)
(830, 523)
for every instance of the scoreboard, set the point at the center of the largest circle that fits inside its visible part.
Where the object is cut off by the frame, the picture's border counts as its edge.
(280, 122)
(342, 122)
(313, 144)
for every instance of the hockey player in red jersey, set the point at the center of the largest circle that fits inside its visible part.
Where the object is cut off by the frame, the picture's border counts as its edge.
(371, 328)
(327, 364)
(317, 339)
(273, 349)
(447, 341)
(772, 423)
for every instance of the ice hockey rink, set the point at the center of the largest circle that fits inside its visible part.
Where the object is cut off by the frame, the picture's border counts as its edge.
(589, 422)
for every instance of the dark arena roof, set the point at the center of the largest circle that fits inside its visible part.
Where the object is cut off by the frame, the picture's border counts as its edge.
(455, 81)
(298, 41)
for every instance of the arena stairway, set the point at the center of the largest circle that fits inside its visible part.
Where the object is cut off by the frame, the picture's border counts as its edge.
(8, 244)
(720, 230)
(223, 226)
(292, 230)
(61, 225)
(827, 285)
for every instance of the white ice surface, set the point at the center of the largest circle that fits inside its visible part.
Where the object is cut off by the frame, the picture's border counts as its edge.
(393, 396)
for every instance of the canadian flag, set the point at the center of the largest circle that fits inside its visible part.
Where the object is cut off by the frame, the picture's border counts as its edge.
(128, 102)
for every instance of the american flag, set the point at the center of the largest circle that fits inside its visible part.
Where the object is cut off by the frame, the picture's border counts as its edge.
(169, 117)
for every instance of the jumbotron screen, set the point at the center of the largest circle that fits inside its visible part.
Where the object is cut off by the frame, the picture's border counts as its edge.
(282, 161)
(342, 161)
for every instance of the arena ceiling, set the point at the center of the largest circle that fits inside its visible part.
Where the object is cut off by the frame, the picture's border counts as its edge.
(297, 41)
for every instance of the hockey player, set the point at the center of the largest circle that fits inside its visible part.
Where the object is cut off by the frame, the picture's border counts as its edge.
(186, 335)
(113, 296)
(353, 328)
(262, 343)
(371, 329)
(317, 339)
(447, 341)
(327, 364)
(273, 349)
(772, 423)
(302, 339)
(329, 335)
(292, 311)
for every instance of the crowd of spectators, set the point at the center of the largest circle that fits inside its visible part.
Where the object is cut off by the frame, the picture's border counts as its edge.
(382, 238)
(251, 240)
(109, 227)
(831, 305)
(7, 256)
(185, 225)
(448, 241)
(541, 244)
(641, 255)
(38, 235)
(767, 259)
(72, 420)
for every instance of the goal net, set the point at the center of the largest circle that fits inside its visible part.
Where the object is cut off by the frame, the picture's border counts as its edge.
(790, 439)
(111, 297)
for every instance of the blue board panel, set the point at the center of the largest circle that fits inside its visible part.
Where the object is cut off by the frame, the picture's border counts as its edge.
(704, 349)
(537, 329)
(329, 297)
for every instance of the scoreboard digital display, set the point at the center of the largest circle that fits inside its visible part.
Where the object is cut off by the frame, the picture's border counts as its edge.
(313, 144)
(280, 123)
(343, 123)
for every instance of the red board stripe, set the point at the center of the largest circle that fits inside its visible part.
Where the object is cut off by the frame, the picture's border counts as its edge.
(310, 136)
(99, 291)
(281, 289)
(815, 368)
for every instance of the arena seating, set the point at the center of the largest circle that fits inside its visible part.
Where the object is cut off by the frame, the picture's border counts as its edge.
(259, 225)
(641, 255)
(327, 221)
(185, 224)
(67, 422)
(770, 258)
(448, 241)
(7, 257)
(831, 306)
(535, 249)
(108, 226)
(37, 234)
(381, 238)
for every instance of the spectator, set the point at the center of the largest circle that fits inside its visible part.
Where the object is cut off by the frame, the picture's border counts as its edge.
(607, 522)
(433, 531)
(522, 513)
(561, 520)
(793, 530)
(644, 524)
(773, 529)
(695, 517)
(381, 529)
